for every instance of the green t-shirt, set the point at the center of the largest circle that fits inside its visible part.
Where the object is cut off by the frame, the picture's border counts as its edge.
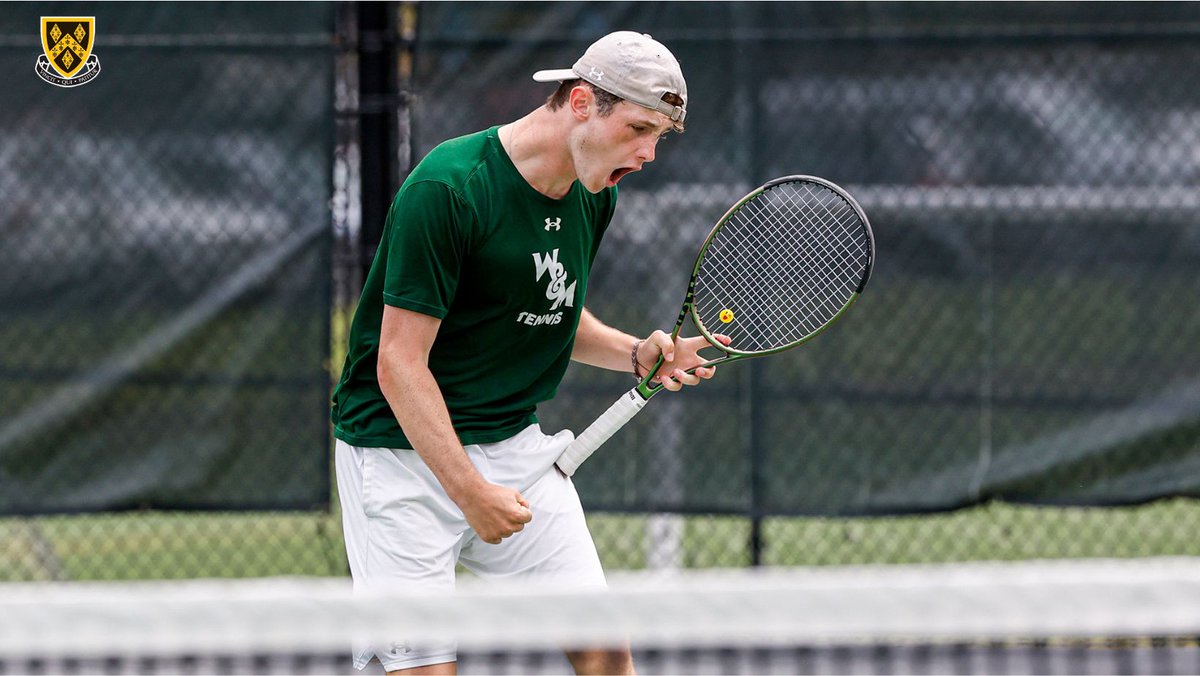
(505, 268)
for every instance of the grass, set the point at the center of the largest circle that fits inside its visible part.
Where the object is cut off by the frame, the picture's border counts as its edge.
(157, 545)
(992, 532)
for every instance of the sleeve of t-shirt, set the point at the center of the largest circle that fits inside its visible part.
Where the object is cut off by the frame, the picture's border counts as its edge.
(427, 243)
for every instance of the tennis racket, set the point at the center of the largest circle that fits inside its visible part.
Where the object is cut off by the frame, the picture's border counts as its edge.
(780, 266)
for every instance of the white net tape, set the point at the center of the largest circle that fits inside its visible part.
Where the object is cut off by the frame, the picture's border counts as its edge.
(1106, 598)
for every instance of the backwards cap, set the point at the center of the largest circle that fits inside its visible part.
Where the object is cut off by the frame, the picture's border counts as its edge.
(634, 66)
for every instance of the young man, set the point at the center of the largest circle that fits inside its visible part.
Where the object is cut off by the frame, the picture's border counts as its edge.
(468, 318)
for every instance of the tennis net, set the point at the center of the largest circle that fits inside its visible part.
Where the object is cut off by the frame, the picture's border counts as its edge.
(1069, 617)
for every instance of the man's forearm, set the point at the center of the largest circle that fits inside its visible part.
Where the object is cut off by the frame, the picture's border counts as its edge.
(598, 344)
(419, 407)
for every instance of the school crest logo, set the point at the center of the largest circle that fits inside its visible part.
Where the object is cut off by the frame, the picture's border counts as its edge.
(67, 59)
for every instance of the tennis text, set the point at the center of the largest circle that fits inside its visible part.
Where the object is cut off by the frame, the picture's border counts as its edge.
(531, 319)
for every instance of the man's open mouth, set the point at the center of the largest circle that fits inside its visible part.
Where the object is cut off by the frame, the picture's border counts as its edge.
(620, 173)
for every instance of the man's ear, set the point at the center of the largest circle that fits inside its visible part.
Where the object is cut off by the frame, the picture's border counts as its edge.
(580, 102)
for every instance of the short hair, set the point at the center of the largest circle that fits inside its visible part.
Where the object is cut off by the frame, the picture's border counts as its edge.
(605, 100)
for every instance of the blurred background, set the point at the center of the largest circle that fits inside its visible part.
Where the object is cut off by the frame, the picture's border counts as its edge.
(183, 239)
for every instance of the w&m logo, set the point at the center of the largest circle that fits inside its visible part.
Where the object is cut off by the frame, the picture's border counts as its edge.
(557, 291)
(67, 59)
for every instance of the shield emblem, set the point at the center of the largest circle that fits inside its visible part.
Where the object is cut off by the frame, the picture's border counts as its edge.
(67, 42)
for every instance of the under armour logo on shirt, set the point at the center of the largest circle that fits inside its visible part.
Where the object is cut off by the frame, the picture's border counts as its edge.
(556, 224)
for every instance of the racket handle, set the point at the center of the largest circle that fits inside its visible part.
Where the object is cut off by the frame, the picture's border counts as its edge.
(599, 431)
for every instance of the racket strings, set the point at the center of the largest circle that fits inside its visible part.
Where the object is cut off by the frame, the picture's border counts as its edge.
(782, 267)
(774, 288)
(822, 295)
(822, 254)
(806, 293)
(826, 298)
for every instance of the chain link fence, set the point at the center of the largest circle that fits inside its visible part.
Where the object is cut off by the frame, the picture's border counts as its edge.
(1018, 381)
(165, 294)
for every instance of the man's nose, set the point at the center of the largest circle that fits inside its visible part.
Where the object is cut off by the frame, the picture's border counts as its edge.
(646, 150)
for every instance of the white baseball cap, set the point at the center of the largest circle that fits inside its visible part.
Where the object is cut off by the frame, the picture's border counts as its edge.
(634, 66)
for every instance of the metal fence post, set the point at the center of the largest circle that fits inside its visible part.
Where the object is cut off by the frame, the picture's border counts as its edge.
(379, 97)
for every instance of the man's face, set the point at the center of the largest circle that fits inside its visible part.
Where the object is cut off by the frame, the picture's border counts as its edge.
(609, 147)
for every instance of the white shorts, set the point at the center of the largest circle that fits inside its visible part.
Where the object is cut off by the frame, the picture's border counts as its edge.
(401, 528)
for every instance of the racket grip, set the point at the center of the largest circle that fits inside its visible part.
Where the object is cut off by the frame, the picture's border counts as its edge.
(621, 412)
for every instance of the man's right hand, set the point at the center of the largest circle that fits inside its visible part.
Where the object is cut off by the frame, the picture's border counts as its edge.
(495, 512)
